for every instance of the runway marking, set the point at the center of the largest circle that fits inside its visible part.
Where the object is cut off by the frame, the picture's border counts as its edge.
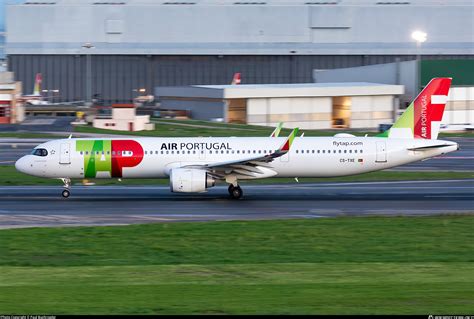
(450, 196)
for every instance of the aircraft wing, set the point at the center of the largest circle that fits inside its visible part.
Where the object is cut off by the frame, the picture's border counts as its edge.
(251, 166)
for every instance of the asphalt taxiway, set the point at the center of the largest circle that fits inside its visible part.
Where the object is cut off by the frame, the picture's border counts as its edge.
(121, 205)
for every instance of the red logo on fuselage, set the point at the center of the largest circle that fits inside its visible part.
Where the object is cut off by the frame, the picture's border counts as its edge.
(125, 153)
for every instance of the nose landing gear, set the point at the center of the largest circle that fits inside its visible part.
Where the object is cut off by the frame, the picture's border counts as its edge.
(66, 193)
(67, 184)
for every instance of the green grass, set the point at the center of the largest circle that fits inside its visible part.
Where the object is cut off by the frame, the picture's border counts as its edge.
(174, 129)
(376, 265)
(29, 135)
(11, 177)
(215, 130)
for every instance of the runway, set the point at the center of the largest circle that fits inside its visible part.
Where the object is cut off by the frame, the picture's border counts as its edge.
(121, 205)
(462, 160)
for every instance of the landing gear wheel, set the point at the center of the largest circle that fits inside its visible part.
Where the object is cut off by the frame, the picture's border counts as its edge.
(231, 187)
(235, 192)
(66, 193)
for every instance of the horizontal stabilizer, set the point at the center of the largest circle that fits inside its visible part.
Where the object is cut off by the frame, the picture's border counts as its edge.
(427, 148)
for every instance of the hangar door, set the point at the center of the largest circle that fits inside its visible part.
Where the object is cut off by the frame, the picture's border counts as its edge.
(341, 111)
(237, 111)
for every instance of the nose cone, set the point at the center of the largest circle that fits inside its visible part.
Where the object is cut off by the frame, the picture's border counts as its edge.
(22, 165)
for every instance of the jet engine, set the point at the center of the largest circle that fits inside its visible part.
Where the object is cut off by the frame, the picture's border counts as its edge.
(190, 180)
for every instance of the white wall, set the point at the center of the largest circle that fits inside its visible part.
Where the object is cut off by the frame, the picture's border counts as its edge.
(460, 106)
(220, 27)
(305, 113)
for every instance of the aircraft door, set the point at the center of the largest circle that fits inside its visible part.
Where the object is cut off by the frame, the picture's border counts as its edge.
(381, 156)
(65, 154)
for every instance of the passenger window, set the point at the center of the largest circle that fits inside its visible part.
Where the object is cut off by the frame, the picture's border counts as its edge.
(81, 153)
(318, 151)
(312, 151)
(350, 151)
(345, 151)
(340, 151)
(355, 151)
(296, 151)
(324, 151)
(360, 151)
(238, 152)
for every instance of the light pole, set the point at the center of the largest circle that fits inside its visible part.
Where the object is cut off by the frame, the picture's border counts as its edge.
(88, 46)
(419, 37)
(50, 95)
(139, 92)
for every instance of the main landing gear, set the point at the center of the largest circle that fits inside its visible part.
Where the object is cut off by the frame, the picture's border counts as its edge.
(67, 184)
(235, 192)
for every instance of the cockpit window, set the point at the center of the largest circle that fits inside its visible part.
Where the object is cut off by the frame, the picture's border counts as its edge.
(40, 152)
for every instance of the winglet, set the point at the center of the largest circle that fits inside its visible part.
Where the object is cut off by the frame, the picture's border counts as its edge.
(286, 146)
(277, 130)
(70, 135)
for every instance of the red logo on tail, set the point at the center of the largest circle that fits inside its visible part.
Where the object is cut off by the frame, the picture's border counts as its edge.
(429, 106)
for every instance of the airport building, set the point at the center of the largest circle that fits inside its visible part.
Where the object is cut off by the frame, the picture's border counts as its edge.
(112, 49)
(124, 118)
(460, 103)
(11, 108)
(307, 105)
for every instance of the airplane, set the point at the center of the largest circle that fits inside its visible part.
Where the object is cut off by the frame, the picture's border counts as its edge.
(36, 98)
(236, 79)
(195, 164)
(276, 131)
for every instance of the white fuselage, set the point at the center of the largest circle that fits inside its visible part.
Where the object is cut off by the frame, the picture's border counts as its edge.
(308, 156)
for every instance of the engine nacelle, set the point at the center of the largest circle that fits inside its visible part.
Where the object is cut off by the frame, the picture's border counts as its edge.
(190, 180)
